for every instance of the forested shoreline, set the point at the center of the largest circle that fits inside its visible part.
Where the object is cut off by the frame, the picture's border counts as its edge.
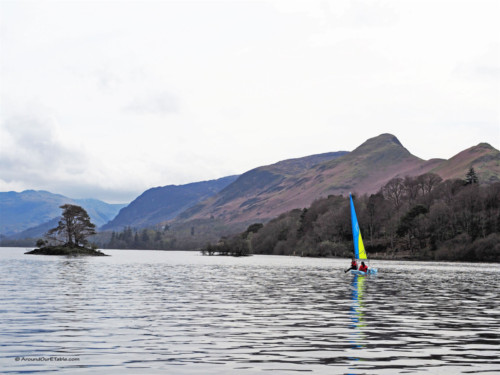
(421, 218)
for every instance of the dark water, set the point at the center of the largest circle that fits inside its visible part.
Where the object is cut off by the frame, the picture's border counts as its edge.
(155, 312)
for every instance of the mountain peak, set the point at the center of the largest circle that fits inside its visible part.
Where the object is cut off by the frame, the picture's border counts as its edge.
(482, 149)
(484, 146)
(386, 145)
(383, 139)
(389, 138)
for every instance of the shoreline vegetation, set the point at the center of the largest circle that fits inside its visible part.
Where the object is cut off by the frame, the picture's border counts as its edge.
(415, 218)
(419, 218)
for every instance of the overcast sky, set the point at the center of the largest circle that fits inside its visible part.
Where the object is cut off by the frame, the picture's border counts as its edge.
(106, 99)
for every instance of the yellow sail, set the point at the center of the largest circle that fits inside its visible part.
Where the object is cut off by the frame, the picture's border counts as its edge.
(361, 248)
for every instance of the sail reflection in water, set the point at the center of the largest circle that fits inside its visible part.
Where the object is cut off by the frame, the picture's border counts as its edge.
(357, 313)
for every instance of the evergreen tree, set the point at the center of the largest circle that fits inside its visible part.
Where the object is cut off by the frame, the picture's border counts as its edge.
(471, 177)
(74, 226)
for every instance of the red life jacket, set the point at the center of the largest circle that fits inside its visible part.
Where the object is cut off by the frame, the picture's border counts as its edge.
(363, 268)
(354, 265)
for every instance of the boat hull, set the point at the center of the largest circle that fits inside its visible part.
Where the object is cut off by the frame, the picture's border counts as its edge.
(371, 271)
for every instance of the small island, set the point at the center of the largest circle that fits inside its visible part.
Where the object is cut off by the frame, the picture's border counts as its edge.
(66, 250)
(70, 236)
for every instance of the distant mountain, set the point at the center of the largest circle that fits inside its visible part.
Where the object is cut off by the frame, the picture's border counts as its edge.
(100, 212)
(160, 204)
(266, 192)
(35, 232)
(30, 208)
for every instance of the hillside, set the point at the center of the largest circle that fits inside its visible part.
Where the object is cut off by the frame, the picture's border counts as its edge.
(253, 187)
(266, 192)
(30, 208)
(484, 158)
(374, 162)
(164, 203)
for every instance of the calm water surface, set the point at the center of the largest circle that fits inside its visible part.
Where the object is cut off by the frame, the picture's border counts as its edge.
(153, 312)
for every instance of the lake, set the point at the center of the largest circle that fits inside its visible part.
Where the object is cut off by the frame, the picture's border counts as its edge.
(155, 312)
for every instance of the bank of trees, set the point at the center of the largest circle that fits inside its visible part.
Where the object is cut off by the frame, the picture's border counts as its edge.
(184, 236)
(238, 245)
(145, 238)
(420, 217)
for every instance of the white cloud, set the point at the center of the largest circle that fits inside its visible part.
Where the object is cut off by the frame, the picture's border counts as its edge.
(138, 94)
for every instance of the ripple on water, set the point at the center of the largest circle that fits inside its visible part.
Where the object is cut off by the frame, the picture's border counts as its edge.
(178, 311)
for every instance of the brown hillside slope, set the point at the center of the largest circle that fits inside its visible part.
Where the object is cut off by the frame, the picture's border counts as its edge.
(253, 185)
(484, 158)
(265, 193)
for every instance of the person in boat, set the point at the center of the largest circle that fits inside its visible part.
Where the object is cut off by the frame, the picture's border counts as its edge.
(363, 267)
(354, 265)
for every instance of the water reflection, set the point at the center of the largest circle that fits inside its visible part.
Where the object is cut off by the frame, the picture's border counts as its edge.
(357, 311)
(160, 312)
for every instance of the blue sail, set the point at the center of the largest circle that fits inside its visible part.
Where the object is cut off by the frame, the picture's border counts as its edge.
(359, 247)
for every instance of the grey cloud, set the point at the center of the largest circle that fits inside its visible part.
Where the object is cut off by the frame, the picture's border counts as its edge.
(82, 190)
(484, 66)
(488, 73)
(361, 15)
(161, 103)
(35, 154)
(107, 79)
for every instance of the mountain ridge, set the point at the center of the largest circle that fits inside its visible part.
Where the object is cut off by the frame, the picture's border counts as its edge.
(484, 157)
(364, 170)
(265, 192)
(266, 179)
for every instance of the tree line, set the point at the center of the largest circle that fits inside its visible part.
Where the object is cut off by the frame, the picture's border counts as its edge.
(191, 235)
(147, 239)
(419, 217)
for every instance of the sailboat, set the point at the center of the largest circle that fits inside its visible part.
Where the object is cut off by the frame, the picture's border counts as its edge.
(359, 247)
